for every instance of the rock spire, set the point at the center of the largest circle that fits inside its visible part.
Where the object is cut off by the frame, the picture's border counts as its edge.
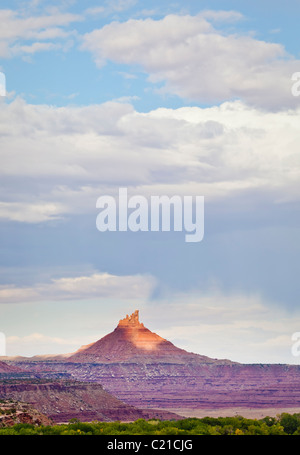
(132, 320)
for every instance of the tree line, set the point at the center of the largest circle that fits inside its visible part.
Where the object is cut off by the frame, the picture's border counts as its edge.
(282, 424)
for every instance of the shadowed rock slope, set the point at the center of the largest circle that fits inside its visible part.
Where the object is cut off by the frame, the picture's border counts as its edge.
(62, 400)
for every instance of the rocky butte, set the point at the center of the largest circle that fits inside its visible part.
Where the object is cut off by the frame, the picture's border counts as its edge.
(146, 371)
(131, 341)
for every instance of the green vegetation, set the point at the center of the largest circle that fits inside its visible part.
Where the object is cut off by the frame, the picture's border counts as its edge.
(283, 424)
(8, 411)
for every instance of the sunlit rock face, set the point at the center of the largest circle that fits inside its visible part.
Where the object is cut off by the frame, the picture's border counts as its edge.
(134, 332)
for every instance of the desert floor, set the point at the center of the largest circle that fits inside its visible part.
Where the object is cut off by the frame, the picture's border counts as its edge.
(251, 413)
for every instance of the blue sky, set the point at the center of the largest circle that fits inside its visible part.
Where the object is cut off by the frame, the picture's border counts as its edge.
(185, 98)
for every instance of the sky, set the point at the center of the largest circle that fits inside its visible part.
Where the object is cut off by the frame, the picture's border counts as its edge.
(190, 98)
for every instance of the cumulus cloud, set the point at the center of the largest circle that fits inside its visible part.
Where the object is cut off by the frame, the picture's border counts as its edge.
(198, 62)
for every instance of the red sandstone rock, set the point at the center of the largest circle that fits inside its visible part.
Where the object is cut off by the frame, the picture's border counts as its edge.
(132, 341)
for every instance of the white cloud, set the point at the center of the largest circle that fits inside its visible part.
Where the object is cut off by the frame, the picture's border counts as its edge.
(58, 161)
(39, 337)
(221, 16)
(110, 6)
(95, 286)
(12, 294)
(197, 61)
(35, 47)
(94, 11)
(2, 84)
(31, 213)
(104, 285)
(21, 34)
